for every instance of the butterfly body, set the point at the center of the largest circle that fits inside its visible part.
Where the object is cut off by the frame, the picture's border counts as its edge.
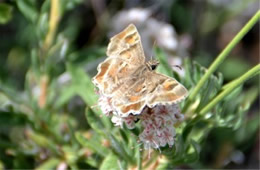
(130, 81)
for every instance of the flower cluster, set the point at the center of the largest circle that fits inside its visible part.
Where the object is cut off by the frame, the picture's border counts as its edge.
(157, 122)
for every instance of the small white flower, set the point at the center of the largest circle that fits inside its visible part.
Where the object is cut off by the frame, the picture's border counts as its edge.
(158, 125)
(105, 105)
(117, 120)
(167, 136)
(130, 121)
(149, 139)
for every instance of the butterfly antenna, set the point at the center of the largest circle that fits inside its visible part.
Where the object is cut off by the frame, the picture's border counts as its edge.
(178, 66)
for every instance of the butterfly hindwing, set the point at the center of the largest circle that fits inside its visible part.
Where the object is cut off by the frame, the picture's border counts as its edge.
(166, 90)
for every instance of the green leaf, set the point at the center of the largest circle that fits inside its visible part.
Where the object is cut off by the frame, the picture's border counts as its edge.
(188, 82)
(57, 52)
(11, 95)
(123, 134)
(119, 149)
(229, 113)
(92, 162)
(42, 25)
(175, 155)
(91, 144)
(69, 4)
(94, 121)
(82, 84)
(8, 118)
(211, 87)
(209, 91)
(5, 13)
(110, 162)
(164, 67)
(194, 156)
(67, 92)
(1, 165)
(28, 9)
(43, 141)
(139, 158)
(51, 163)
(70, 154)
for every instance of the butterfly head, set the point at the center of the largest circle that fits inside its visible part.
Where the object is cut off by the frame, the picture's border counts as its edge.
(152, 64)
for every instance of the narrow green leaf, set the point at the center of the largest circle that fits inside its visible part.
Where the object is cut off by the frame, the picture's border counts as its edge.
(70, 154)
(231, 87)
(2, 167)
(84, 87)
(139, 158)
(5, 13)
(92, 162)
(164, 67)
(193, 157)
(42, 26)
(43, 141)
(91, 144)
(110, 162)
(207, 93)
(28, 9)
(94, 121)
(51, 163)
(65, 95)
(8, 118)
(124, 135)
(119, 149)
(188, 73)
(82, 84)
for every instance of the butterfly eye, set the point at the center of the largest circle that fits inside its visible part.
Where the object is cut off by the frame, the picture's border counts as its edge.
(153, 67)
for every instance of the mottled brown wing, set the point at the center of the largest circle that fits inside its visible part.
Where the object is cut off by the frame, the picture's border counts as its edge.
(125, 55)
(127, 46)
(111, 75)
(150, 89)
(131, 96)
(165, 90)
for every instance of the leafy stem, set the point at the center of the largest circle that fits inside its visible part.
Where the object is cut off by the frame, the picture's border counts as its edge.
(233, 85)
(220, 58)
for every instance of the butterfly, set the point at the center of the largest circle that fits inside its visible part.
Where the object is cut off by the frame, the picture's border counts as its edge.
(129, 81)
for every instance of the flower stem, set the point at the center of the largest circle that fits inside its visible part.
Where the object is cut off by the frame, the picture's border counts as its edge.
(220, 58)
(53, 23)
(252, 72)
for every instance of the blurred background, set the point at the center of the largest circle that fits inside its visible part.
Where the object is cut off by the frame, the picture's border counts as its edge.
(49, 50)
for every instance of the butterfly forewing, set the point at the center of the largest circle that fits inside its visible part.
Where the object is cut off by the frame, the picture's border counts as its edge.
(125, 54)
(127, 46)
